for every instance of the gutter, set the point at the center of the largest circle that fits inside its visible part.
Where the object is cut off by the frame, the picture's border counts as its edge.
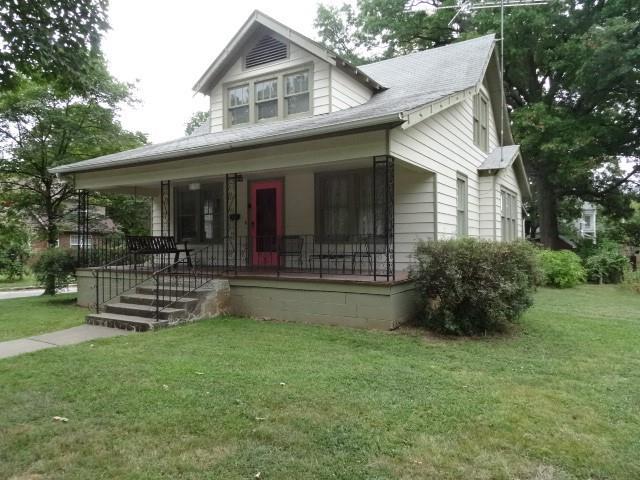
(345, 127)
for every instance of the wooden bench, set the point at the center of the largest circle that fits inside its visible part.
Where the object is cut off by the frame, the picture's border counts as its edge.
(151, 245)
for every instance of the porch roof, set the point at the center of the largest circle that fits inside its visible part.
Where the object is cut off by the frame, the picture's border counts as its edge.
(413, 81)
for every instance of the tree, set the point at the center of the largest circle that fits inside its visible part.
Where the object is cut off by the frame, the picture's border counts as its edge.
(131, 213)
(572, 81)
(53, 39)
(42, 126)
(197, 120)
(14, 242)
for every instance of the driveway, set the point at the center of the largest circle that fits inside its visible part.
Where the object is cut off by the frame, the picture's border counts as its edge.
(31, 292)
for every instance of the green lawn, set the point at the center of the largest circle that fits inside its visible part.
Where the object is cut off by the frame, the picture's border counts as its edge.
(26, 281)
(227, 398)
(25, 317)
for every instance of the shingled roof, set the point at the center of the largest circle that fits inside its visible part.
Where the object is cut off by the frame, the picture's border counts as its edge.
(411, 81)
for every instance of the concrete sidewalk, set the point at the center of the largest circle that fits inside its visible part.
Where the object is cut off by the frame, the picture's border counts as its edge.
(70, 336)
(30, 292)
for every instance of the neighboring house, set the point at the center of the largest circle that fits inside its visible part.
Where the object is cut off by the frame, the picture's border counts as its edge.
(586, 224)
(314, 179)
(68, 236)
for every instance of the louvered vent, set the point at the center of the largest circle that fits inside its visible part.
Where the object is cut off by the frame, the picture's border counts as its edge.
(268, 49)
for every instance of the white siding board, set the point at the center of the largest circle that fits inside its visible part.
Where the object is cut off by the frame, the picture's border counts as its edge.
(346, 92)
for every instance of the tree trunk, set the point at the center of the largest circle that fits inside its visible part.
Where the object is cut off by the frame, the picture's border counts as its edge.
(52, 241)
(548, 213)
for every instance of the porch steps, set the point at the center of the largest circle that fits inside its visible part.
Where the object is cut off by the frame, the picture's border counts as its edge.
(136, 310)
(125, 322)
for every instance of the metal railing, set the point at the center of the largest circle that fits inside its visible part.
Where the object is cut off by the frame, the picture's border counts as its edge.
(368, 257)
(125, 273)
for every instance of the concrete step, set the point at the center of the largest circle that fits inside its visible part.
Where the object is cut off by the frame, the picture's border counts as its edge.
(145, 311)
(125, 322)
(173, 291)
(186, 303)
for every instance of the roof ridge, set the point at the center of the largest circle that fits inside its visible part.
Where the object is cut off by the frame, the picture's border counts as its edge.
(427, 50)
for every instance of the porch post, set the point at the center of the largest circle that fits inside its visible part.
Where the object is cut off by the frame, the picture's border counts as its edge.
(383, 213)
(231, 220)
(165, 208)
(83, 227)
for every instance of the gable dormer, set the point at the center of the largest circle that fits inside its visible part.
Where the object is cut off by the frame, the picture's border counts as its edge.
(269, 72)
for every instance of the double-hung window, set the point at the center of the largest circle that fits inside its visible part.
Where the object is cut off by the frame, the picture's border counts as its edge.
(78, 240)
(480, 121)
(266, 94)
(199, 213)
(462, 193)
(343, 205)
(509, 215)
(296, 92)
(239, 105)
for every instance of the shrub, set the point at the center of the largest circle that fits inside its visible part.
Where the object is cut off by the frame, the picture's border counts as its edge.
(561, 268)
(468, 287)
(606, 265)
(631, 280)
(13, 259)
(54, 269)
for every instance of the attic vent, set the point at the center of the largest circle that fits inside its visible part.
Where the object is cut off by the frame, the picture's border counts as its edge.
(268, 49)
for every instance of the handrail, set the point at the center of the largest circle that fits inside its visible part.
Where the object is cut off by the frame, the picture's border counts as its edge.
(205, 258)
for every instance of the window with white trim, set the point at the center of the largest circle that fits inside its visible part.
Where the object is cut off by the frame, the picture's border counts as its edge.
(199, 213)
(296, 92)
(481, 121)
(276, 96)
(509, 215)
(239, 104)
(462, 194)
(78, 240)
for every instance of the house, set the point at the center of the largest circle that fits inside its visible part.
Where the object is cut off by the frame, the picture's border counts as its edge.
(68, 236)
(315, 178)
(586, 224)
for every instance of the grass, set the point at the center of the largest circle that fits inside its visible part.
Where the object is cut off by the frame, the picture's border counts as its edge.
(25, 317)
(227, 398)
(25, 281)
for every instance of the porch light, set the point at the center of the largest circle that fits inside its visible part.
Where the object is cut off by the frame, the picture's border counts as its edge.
(194, 187)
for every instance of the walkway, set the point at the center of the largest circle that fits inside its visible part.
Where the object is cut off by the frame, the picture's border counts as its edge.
(30, 292)
(70, 336)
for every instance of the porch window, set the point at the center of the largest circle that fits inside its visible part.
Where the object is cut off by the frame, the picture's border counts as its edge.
(509, 216)
(480, 121)
(199, 213)
(462, 193)
(239, 104)
(343, 204)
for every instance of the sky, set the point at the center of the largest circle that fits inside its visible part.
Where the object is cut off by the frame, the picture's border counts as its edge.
(164, 46)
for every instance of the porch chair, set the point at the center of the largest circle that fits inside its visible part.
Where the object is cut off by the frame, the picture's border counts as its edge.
(290, 246)
(367, 249)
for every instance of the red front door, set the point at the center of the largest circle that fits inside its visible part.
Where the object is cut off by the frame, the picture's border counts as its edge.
(266, 221)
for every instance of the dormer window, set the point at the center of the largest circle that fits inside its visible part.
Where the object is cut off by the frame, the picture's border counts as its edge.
(296, 92)
(266, 99)
(270, 97)
(239, 104)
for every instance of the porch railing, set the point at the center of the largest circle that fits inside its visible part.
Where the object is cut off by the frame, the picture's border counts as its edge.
(367, 257)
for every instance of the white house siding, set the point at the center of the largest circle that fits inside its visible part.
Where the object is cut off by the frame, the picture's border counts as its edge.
(346, 92)
(297, 57)
(443, 144)
(414, 211)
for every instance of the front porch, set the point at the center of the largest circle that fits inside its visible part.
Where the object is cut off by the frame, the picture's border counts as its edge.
(320, 224)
